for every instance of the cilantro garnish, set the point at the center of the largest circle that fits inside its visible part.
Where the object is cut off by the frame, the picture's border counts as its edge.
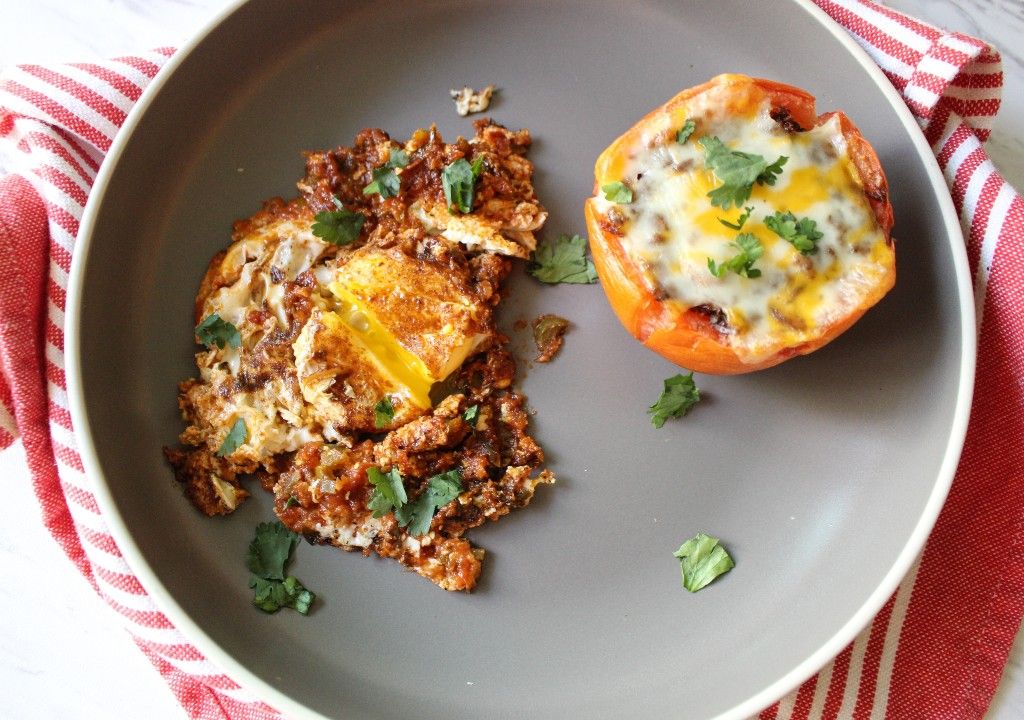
(383, 413)
(272, 595)
(270, 549)
(680, 394)
(803, 234)
(459, 181)
(398, 158)
(686, 131)
(617, 192)
(388, 491)
(385, 182)
(738, 172)
(701, 560)
(470, 414)
(235, 438)
(214, 331)
(750, 249)
(441, 490)
(563, 261)
(385, 179)
(292, 501)
(269, 553)
(389, 496)
(740, 221)
(340, 226)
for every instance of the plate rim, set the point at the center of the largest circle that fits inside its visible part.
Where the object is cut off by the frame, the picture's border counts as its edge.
(777, 689)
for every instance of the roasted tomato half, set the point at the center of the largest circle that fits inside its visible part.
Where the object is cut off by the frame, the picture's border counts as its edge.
(734, 228)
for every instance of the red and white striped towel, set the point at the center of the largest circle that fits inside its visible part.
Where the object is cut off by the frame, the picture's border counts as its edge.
(938, 646)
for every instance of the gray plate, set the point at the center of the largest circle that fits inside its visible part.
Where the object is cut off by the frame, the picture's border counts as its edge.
(823, 475)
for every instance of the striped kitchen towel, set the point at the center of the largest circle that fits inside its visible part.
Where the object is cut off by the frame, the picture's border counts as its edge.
(938, 646)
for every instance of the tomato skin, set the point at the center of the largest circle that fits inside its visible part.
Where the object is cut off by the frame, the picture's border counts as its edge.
(687, 337)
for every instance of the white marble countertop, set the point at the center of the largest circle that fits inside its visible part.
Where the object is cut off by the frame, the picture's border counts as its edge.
(62, 651)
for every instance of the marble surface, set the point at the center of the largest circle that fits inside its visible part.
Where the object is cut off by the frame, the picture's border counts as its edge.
(62, 651)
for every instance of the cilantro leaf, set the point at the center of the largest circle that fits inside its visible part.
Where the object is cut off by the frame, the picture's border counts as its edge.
(738, 172)
(215, 331)
(399, 158)
(339, 227)
(388, 491)
(385, 180)
(686, 131)
(383, 412)
(679, 395)
(441, 490)
(803, 234)
(617, 192)
(269, 550)
(269, 553)
(770, 173)
(459, 181)
(701, 560)
(235, 438)
(292, 501)
(272, 595)
(470, 414)
(563, 260)
(740, 221)
(750, 249)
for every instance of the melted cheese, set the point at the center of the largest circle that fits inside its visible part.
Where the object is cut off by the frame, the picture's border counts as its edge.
(672, 229)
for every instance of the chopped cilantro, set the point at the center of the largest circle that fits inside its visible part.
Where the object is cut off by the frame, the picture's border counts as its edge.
(738, 172)
(563, 260)
(214, 331)
(680, 394)
(740, 221)
(399, 158)
(459, 182)
(235, 438)
(441, 490)
(385, 180)
(383, 413)
(389, 495)
(701, 560)
(617, 192)
(470, 414)
(803, 234)
(686, 131)
(270, 549)
(272, 595)
(339, 227)
(772, 172)
(292, 501)
(267, 560)
(750, 249)
(388, 491)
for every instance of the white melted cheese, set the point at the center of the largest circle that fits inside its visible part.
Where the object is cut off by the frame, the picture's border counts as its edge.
(672, 230)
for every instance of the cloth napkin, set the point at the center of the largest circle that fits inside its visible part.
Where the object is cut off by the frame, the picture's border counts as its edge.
(938, 646)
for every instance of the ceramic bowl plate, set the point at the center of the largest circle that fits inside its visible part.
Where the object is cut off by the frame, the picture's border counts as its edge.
(823, 476)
